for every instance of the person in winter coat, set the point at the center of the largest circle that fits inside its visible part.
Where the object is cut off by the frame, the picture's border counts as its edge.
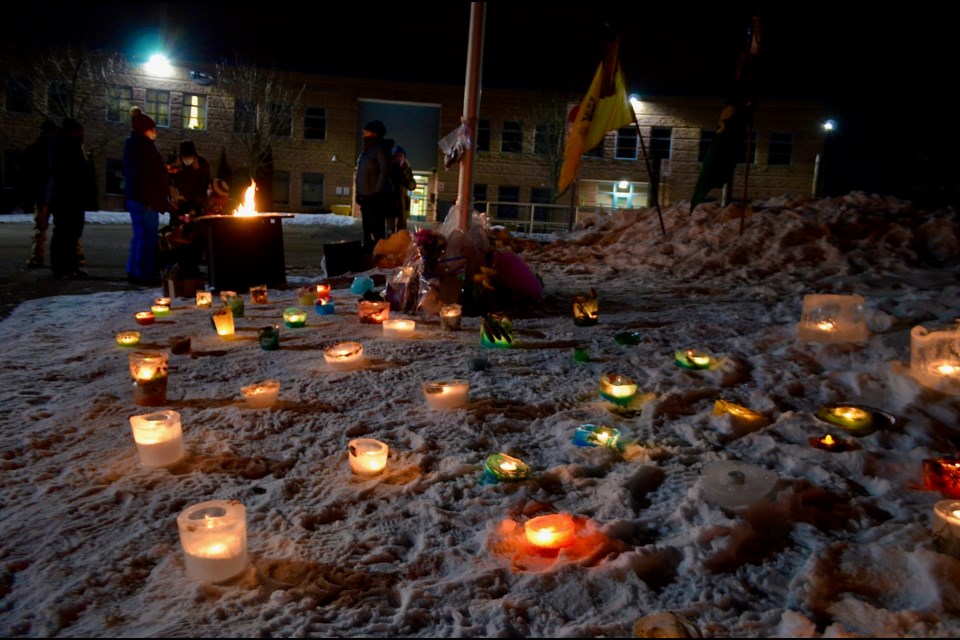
(374, 190)
(401, 174)
(73, 190)
(146, 195)
(34, 178)
(190, 177)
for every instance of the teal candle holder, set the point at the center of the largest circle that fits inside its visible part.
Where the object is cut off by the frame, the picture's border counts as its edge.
(618, 389)
(269, 337)
(596, 435)
(691, 359)
(499, 467)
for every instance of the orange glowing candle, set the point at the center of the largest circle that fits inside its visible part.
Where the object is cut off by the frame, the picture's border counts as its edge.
(550, 532)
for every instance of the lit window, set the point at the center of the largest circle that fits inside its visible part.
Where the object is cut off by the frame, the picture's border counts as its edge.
(119, 101)
(194, 112)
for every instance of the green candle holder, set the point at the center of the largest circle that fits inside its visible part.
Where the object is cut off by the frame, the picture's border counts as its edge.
(499, 467)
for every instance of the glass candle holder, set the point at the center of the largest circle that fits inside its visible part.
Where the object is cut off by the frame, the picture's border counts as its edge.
(204, 299)
(851, 418)
(344, 356)
(294, 317)
(149, 372)
(324, 307)
(145, 318)
(595, 435)
(691, 359)
(222, 320)
(500, 467)
(234, 302)
(306, 296)
(935, 358)
(496, 331)
(367, 457)
(946, 527)
(552, 531)
(269, 337)
(159, 438)
(261, 394)
(832, 317)
(162, 301)
(446, 394)
(398, 328)
(258, 294)
(586, 310)
(323, 291)
(450, 316)
(943, 475)
(617, 389)
(213, 535)
(373, 311)
(128, 338)
(361, 284)
(160, 310)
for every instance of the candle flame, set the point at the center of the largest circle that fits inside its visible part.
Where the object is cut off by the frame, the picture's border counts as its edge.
(826, 325)
(248, 207)
(948, 369)
(828, 440)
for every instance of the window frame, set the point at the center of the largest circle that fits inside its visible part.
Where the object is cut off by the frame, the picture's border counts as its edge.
(621, 146)
(313, 121)
(511, 136)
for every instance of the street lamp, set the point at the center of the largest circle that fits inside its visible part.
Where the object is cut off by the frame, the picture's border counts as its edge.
(159, 66)
(829, 127)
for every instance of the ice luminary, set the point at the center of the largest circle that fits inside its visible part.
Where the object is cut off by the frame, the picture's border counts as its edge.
(204, 299)
(450, 315)
(732, 484)
(943, 475)
(159, 438)
(496, 331)
(128, 338)
(585, 309)
(373, 311)
(144, 318)
(269, 337)
(294, 317)
(551, 531)
(258, 294)
(223, 322)
(149, 372)
(344, 356)
(446, 394)
(596, 435)
(368, 457)
(262, 394)
(324, 307)
(500, 467)
(617, 389)
(691, 359)
(398, 328)
(213, 535)
(935, 358)
(946, 527)
(830, 317)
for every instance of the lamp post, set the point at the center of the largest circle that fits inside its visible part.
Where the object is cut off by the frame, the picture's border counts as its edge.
(829, 126)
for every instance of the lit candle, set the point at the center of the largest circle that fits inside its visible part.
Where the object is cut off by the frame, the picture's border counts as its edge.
(943, 475)
(128, 338)
(344, 356)
(935, 357)
(162, 301)
(617, 389)
(214, 539)
(160, 310)
(398, 328)
(946, 527)
(446, 394)
(324, 307)
(826, 325)
(496, 331)
(848, 417)
(159, 438)
(551, 531)
(204, 299)
(367, 457)
(450, 315)
(262, 394)
(594, 435)
(223, 322)
(830, 317)
(269, 337)
(691, 359)
(258, 294)
(741, 415)
(585, 309)
(149, 372)
(294, 317)
(373, 311)
(144, 318)
(829, 443)
(499, 467)
(323, 291)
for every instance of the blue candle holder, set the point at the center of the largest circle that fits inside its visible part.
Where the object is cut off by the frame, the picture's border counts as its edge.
(594, 435)
(324, 307)
(499, 467)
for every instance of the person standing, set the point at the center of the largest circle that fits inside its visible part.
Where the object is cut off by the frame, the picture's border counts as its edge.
(401, 174)
(34, 181)
(190, 175)
(73, 190)
(146, 195)
(374, 191)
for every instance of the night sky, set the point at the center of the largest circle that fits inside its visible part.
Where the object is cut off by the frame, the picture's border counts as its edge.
(886, 76)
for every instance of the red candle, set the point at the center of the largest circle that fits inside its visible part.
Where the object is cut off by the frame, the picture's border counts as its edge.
(943, 475)
(145, 318)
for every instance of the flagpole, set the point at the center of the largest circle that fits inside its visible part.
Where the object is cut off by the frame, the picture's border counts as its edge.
(471, 106)
(646, 161)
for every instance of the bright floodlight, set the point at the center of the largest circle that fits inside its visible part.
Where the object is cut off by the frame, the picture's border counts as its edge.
(158, 65)
(830, 125)
(635, 102)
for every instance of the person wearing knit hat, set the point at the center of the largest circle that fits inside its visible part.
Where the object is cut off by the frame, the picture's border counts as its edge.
(146, 195)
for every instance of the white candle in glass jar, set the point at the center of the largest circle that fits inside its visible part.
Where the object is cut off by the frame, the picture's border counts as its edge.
(214, 539)
(262, 394)
(159, 438)
(368, 457)
(344, 356)
(398, 328)
(446, 394)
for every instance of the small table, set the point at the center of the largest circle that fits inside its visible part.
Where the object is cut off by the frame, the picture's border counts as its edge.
(243, 251)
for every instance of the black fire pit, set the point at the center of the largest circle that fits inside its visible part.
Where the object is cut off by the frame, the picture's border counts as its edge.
(243, 251)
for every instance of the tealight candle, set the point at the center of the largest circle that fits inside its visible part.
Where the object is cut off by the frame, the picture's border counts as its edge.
(551, 531)
(294, 317)
(214, 539)
(450, 315)
(344, 356)
(585, 310)
(368, 457)
(373, 311)
(946, 527)
(324, 307)
(262, 394)
(829, 443)
(398, 328)
(446, 394)
(128, 338)
(691, 359)
(204, 299)
(269, 337)
(159, 438)
(323, 291)
(160, 310)
(943, 475)
(223, 322)
(499, 467)
(617, 389)
(830, 317)
(149, 372)
(258, 294)
(594, 435)
(144, 318)
(935, 358)
(849, 417)
(162, 301)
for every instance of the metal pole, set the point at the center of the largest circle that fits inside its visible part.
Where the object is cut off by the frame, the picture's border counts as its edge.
(471, 106)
